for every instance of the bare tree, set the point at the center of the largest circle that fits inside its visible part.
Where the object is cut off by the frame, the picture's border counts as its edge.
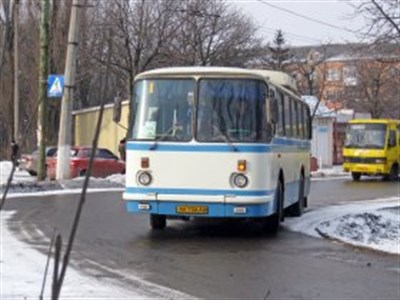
(147, 34)
(212, 33)
(6, 73)
(377, 89)
(310, 72)
(383, 19)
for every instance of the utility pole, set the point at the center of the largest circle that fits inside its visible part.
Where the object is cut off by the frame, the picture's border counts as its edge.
(43, 73)
(65, 133)
(16, 74)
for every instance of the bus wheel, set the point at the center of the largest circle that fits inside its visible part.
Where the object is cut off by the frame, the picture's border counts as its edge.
(158, 222)
(271, 223)
(298, 208)
(356, 176)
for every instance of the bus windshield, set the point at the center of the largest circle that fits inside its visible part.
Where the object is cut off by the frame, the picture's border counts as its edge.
(227, 110)
(163, 109)
(366, 136)
(231, 109)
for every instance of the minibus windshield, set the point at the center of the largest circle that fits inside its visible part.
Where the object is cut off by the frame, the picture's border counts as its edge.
(366, 136)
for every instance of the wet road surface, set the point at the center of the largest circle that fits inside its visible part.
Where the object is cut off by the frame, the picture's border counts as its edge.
(214, 258)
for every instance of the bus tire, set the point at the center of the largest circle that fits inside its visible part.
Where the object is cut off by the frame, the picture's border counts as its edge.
(356, 176)
(158, 222)
(297, 209)
(271, 223)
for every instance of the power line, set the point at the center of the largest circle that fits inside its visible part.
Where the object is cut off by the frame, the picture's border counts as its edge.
(307, 17)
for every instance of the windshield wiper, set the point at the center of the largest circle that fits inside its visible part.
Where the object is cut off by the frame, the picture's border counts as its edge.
(372, 146)
(225, 138)
(354, 146)
(162, 137)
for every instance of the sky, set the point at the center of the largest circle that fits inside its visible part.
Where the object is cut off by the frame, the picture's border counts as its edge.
(302, 21)
(373, 224)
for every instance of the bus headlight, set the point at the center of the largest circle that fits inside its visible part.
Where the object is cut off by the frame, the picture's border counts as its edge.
(380, 160)
(144, 178)
(240, 180)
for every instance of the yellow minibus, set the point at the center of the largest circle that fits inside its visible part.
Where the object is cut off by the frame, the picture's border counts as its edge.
(372, 148)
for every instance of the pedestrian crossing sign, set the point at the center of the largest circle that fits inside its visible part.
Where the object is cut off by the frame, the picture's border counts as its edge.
(55, 86)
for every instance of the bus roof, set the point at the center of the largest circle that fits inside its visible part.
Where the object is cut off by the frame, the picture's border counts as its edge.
(278, 78)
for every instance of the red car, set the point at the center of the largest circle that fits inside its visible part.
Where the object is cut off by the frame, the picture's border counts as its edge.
(105, 163)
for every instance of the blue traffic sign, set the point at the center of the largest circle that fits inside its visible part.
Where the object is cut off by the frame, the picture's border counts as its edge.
(55, 85)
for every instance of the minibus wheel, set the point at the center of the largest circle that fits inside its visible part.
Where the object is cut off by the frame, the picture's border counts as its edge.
(158, 222)
(356, 176)
(394, 172)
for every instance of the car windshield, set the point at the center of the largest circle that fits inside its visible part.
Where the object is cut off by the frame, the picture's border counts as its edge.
(366, 136)
(231, 109)
(50, 151)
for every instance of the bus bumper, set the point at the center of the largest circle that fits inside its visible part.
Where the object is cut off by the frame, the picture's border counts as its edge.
(221, 206)
(367, 169)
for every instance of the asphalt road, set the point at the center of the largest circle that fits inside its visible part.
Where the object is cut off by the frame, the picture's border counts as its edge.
(216, 259)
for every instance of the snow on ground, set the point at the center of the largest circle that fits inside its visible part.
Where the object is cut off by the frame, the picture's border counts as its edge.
(373, 224)
(22, 271)
(22, 267)
(335, 172)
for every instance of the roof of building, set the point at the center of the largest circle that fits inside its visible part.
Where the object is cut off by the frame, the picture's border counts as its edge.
(345, 52)
(322, 109)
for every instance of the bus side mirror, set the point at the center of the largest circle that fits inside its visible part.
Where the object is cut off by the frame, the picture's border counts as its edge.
(117, 109)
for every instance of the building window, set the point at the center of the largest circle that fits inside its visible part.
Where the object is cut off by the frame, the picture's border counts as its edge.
(331, 95)
(350, 75)
(332, 75)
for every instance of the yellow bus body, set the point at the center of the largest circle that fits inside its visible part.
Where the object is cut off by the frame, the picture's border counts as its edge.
(372, 162)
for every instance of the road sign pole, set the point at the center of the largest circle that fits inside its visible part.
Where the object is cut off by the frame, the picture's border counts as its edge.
(16, 74)
(65, 133)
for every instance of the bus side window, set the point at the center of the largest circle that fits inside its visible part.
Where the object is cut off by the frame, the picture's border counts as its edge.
(281, 124)
(297, 118)
(294, 118)
(288, 117)
(301, 121)
(307, 122)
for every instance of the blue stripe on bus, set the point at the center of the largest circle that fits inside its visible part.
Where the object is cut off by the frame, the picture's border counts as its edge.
(199, 148)
(206, 192)
(168, 208)
(255, 148)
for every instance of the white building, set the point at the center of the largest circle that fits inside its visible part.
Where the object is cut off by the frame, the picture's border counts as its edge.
(322, 135)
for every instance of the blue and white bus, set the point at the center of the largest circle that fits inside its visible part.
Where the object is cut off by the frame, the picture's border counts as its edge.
(217, 142)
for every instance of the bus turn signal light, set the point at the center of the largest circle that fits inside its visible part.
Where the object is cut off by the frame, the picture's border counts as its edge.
(241, 165)
(145, 163)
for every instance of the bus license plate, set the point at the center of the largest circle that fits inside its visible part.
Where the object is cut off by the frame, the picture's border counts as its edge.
(192, 209)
